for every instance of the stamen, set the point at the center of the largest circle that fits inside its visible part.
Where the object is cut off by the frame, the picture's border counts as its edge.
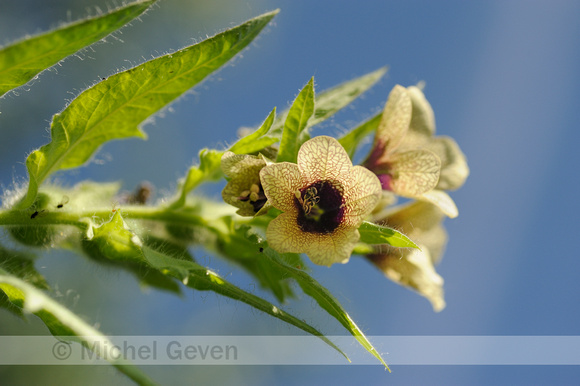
(320, 207)
(298, 196)
(255, 188)
(310, 200)
(254, 196)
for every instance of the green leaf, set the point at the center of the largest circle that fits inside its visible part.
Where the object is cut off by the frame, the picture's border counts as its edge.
(257, 140)
(115, 241)
(333, 100)
(6, 304)
(202, 279)
(90, 194)
(296, 121)
(113, 108)
(23, 60)
(351, 140)
(119, 244)
(114, 244)
(63, 323)
(241, 245)
(176, 251)
(325, 300)
(329, 102)
(21, 265)
(209, 169)
(376, 234)
(238, 243)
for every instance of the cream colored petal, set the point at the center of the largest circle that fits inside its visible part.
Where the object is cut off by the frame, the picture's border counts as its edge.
(442, 200)
(387, 201)
(422, 222)
(246, 211)
(414, 172)
(241, 165)
(362, 192)
(435, 240)
(229, 160)
(284, 235)
(395, 121)
(423, 119)
(232, 191)
(413, 141)
(264, 209)
(244, 171)
(327, 249)
(417, 215)
(280, 182)
(454, 169)
(323, 158)
(415, 270)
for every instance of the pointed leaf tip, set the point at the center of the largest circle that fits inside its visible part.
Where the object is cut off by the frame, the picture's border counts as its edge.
(114, 108)
(296, 122)
(22, 61)
(376, 234)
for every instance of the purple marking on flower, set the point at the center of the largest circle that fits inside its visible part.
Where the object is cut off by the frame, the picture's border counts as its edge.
(375, 155)
(385, 181)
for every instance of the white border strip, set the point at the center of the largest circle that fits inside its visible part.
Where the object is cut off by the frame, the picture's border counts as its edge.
(295, 350)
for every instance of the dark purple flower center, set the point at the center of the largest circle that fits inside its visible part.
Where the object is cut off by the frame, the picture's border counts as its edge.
(320, 207)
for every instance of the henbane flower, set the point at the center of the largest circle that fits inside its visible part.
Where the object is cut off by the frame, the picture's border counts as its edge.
(324, 199)
(415, 268)
(407, 173)
(244, 189)
(406, 156)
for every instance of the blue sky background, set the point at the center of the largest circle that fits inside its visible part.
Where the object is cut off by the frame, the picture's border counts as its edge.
(502, 77)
